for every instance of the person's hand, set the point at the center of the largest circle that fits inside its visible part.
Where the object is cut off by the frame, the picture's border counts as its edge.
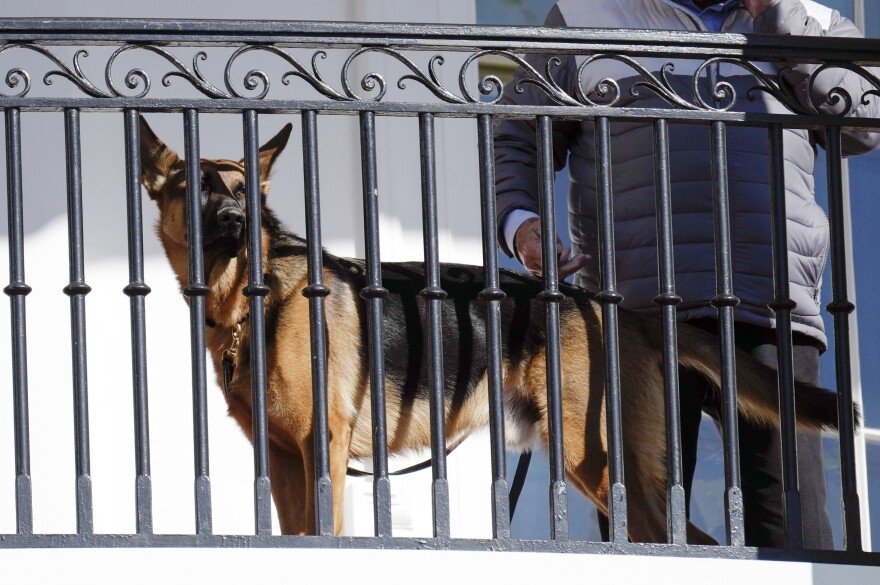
(757, 7)
(528, 247)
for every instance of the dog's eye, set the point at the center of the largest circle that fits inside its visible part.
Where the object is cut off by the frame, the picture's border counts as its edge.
(205, 187)
(240, 191)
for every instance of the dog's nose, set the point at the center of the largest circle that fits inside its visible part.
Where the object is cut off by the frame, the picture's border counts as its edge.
(230, 216)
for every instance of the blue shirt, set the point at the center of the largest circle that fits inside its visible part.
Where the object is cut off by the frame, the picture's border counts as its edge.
(712, 16)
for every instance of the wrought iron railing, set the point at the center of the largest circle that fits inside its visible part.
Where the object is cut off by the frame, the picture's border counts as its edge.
(195, 67)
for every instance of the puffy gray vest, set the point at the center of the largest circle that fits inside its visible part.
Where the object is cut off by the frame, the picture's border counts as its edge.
(633, 164)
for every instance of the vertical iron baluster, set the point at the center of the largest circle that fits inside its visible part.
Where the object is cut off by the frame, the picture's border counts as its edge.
(433, 295)
(725, 301)
(782, 305)
(315, 292)
(77, 290)
(493, 295)
(196, 290)
(137, 290)
(374, 294)
(551, 298)
(17, 291)
(256, 291)
(609, 298)
(841, 307)
(676, 507)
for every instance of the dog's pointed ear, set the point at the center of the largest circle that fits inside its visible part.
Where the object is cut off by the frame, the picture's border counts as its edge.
(270, 151)
(157, 160)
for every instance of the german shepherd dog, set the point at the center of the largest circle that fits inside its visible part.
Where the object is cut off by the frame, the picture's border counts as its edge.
(289, 384)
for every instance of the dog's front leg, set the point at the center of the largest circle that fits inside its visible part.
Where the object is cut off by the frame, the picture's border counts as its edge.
(292, 478)
(340, 450)
(290, 490)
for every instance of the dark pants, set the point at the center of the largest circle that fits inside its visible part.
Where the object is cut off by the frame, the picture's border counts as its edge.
(760, 448)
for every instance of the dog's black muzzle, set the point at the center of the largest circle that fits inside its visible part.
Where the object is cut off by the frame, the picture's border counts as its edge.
(224, 226)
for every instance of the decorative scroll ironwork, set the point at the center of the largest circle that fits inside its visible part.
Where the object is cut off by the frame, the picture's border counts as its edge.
(74, 74)
(370, 81)
(662, 87)
(838, 93)
(255, 77)
(530, 76)
(138, 76)
(606, 92)
(777, 88)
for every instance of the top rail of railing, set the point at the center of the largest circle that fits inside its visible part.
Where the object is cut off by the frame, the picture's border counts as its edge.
(104, 31)
(310, 52)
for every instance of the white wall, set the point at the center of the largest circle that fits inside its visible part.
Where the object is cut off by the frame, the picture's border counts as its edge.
(109, 350)
(402, 567)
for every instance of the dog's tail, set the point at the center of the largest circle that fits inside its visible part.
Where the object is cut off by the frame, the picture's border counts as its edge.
(756, 384)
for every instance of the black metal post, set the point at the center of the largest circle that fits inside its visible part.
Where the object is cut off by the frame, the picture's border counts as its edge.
(841, 308)
(315, 292)
(256, 291)
(374, 293)
(725, 301)
(77, 290)
(552, 297)
(17, 291)
(493, 295)
(676, 506)
(782, 305)
(137, 290)
(196, 290)
(433, 295)
(609, 298)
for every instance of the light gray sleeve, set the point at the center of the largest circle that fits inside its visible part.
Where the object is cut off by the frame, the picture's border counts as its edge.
(791, 17)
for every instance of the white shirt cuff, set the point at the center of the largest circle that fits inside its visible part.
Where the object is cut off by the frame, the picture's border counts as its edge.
(512, 222)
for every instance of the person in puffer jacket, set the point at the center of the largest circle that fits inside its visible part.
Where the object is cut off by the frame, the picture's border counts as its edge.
(632, 168)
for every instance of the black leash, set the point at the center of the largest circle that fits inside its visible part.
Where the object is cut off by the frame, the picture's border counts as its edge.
(519, 478)
(411, 469)
(406, 470)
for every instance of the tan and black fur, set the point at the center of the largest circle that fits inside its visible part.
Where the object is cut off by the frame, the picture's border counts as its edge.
(464, 355)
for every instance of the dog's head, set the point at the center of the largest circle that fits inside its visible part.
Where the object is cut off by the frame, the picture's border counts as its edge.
(222, 187)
